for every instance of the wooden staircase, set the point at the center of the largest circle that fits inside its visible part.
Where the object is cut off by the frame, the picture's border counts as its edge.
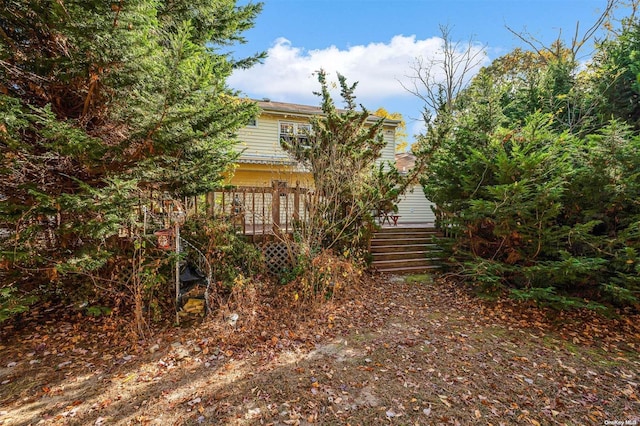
(406, 250)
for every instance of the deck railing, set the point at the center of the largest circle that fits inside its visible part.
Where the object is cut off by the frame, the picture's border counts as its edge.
(256, 211)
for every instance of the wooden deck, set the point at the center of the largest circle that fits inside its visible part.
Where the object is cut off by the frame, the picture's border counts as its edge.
(261, 232)
(261, 212)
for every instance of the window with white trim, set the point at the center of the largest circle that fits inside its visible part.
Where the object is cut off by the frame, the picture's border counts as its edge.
(299, 131)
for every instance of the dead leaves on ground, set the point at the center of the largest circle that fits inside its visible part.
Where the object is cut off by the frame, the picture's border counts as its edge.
(412, 354)
(386, 352)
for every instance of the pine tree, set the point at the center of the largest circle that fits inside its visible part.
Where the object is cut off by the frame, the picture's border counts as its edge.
(617, 64)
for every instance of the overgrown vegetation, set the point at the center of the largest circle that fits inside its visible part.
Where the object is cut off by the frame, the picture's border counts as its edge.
(343, 152)
(101, 104)
(232, 258)
(536, 173)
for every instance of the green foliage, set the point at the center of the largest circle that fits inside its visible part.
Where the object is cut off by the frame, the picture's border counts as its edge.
(538, 191)
(351, 184)
(232, 257)
(101, 104)
(616, 72)
(12, 303)
(547, 296)
(98, 311)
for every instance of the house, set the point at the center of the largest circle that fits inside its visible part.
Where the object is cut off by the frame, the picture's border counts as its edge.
(413, 206)
(263, 162)
(266, 179)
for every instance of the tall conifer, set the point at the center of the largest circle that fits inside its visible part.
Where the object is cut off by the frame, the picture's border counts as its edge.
(100, 102)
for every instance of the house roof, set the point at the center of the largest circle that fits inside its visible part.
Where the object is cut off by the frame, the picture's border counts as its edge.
(266, 159)
(305, 110)
(405, 162)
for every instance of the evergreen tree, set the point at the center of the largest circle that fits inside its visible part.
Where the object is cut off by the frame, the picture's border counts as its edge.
(601, 207)
(616, 73)
(101, 102)
(538, 191)
(343, 152)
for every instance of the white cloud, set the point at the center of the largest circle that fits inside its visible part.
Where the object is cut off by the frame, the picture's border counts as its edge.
(287, 73)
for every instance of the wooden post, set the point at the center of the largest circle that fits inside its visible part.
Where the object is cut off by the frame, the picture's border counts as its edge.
(287, 213)
(243, 217)
(253, 214)
(296, 202)
(211, 200)
(275, 207)
(223, 204)
(264, 214)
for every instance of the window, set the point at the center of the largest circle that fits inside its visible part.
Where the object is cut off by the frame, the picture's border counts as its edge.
(253, 122)
(299, 131)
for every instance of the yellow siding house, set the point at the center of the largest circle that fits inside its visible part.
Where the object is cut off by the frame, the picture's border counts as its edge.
(267, 183)
(264, 163)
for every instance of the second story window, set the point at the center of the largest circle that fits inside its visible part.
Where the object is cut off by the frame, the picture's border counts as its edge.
(299, 131)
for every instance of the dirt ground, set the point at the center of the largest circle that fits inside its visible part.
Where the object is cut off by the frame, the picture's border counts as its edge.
(400, 351)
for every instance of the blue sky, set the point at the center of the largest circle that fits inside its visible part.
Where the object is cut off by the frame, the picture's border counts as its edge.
(376, 42)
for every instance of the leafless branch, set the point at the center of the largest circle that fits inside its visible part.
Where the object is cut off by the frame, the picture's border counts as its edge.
(577, 41)
(437, 81)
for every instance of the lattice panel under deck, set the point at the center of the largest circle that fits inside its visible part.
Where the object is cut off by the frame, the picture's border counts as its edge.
(278, 257)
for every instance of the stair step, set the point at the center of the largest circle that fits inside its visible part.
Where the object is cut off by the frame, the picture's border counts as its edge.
(401, 263)
(402, 255)
(404, 247)
(404, 237)
(406, 229)
(403, 231)
(400, 241)
(418, 251)
(409, 270)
